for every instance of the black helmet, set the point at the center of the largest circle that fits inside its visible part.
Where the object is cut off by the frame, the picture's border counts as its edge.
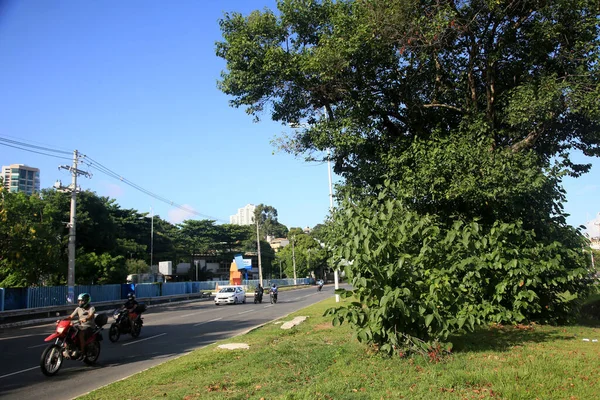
(131, 296)
(84, 299)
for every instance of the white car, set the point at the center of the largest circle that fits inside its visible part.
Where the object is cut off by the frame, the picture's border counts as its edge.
(230, 295)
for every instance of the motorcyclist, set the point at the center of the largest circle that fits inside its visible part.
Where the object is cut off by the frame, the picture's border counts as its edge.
(273, 290)
(85, 313)
(130, 305)
(320, 283)
(260, 290)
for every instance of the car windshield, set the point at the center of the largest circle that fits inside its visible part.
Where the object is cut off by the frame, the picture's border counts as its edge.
(227, 290)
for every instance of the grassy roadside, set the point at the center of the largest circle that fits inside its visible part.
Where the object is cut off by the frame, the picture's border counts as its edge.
(317, 361)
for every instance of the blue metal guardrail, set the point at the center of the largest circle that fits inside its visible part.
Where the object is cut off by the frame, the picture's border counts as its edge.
(45, 296)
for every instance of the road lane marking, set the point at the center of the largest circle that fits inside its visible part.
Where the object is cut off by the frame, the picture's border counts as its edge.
(23, 336)
(141, 340)
(38, 345)
(206, 322)
(18, 372)
(244, 312)
(196, 313)
(270, 305)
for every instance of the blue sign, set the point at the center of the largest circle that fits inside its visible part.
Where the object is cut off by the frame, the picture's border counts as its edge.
(242, 263)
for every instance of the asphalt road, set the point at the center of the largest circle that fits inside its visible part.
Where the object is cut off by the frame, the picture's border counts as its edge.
(168, 332)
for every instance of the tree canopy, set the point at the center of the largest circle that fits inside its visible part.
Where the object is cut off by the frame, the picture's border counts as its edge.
(111, 242)
(462, 114)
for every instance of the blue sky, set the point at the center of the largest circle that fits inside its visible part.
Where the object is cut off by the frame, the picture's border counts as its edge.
(132, 85)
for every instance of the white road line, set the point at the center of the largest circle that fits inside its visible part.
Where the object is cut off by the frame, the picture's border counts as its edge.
(244, 312)
(270, 305)
(18, 372)
(22, 336)
(142, 340)
(196, 313)
(39, 326)
(206, 322)
(39, 345)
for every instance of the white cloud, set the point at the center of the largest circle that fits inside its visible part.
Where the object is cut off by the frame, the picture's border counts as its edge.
(177, 215)
(593, 226)
(111, 190)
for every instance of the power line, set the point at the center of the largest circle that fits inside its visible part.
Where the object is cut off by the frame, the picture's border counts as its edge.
(33, 151)
(15, 142)
(105, 170)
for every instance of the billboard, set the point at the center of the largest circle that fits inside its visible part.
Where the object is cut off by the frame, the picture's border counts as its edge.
(165, 267)
(242, 263)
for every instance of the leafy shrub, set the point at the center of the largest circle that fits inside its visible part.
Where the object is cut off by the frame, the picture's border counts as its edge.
(417, 280)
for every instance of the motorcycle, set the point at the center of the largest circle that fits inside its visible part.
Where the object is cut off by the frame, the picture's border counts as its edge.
(66, 345)
(319, 287)
(122, 324)
(258, 295)
(273, 295)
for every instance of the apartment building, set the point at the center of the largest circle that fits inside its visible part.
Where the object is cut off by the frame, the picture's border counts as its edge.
(244, 216)
(21, 178)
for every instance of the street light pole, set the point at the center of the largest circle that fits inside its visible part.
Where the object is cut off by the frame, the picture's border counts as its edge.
(294, 257)
(151, 238)
(260, 276)
(336, 278)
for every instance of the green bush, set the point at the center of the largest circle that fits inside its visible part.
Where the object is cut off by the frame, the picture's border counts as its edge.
(416, 280)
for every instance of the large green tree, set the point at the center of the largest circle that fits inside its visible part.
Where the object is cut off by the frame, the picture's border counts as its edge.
(30, 242)
(473, 110)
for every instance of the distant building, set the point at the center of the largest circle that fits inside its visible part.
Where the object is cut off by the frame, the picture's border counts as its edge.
(244, 216)
(21, 178)
(279, 243)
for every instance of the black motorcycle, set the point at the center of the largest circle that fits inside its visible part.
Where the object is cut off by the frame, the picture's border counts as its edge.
(258, 295)
(273, 294)
(122, 324)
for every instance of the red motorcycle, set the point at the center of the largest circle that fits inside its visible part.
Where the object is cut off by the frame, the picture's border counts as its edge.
(66, 345)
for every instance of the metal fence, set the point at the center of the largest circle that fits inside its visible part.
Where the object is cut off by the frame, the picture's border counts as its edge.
(36, 297)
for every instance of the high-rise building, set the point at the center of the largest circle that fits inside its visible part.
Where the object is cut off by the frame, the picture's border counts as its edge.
(21, 178)
(244, 216)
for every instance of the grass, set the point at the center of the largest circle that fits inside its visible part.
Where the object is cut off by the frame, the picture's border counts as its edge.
(314, 360)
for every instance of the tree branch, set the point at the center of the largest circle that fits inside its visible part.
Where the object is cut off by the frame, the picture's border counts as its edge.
(448, 106)
(529, 141)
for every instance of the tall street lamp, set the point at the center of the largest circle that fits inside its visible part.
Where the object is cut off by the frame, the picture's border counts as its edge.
(151, 237)
(294, 258)
(335, 271)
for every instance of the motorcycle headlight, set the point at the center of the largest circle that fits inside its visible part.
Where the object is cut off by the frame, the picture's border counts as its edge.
(60, 330)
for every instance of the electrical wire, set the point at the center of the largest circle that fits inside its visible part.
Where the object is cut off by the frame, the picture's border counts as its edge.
(33, 151)
(105, 170)
(15, 142)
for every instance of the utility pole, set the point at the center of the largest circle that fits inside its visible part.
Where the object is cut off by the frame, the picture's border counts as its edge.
(72, 219)
(260, 276)
(336, 278)
(294, 258)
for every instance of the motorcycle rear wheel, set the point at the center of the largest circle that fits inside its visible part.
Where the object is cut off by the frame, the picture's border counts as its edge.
(51, 360)
(114, 333)
(137, 329)
(92, 352)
